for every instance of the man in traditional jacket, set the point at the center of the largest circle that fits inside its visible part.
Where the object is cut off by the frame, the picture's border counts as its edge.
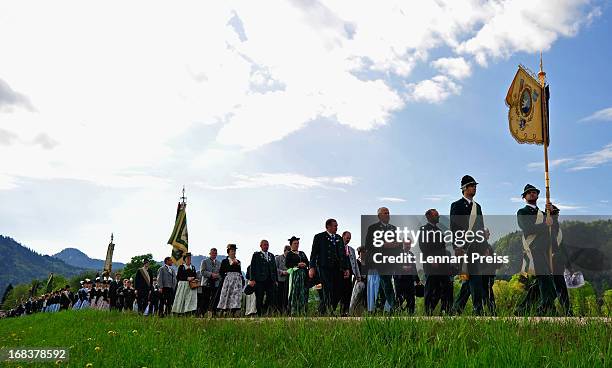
(538, 249)
(209, 271)
(264, 277)
(282, 291)
(166, 278)
(143, 284)
(466, 217)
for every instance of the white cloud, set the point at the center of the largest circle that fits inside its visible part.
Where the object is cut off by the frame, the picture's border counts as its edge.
(455, 67)
(535, 166)
(594, 159)
(435, 197)
(525, 26)
(434, 90)
(391, 199)
(288, 180)
(578, 163)
(600, 115)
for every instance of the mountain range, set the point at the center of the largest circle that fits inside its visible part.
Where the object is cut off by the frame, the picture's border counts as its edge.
(75, 257)
(20, 264)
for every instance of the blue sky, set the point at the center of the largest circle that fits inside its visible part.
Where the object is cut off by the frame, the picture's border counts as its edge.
(275, 121)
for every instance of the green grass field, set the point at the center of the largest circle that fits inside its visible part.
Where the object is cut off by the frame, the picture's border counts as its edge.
(110, 339)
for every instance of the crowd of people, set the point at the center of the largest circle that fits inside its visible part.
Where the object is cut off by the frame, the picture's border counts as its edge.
(281, 284)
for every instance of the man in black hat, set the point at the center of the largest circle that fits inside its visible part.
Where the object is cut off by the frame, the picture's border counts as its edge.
(537, 248)
(143, 285)
(466, 218)
(329, 262)
(264, 277)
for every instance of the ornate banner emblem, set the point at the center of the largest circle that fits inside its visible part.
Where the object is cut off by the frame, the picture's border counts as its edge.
(525, 116)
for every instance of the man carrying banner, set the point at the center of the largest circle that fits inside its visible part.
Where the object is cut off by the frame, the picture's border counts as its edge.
(536, 226)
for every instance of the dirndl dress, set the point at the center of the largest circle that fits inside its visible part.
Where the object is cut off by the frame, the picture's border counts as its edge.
(186, 298)
(231, 292)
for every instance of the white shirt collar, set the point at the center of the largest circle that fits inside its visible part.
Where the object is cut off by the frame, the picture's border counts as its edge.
(532, 206)
(467, 199)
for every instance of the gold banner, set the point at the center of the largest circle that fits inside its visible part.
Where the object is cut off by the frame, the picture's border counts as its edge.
(525, 117)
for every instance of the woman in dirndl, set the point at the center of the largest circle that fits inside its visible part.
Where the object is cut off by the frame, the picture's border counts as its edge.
(230, 296)
(186, 298)
(297, 266)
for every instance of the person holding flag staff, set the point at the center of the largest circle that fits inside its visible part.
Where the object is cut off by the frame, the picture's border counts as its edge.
(536, 226)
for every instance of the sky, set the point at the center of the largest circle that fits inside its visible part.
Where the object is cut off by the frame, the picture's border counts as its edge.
(276, 118)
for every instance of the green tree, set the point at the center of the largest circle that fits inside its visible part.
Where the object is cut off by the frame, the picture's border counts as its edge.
(136, 262)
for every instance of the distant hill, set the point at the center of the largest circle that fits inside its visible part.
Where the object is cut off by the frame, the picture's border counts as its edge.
(75, 257)
(19, 264)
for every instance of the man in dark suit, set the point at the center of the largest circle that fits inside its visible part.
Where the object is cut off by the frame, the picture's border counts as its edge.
(537, 247)
(354, 274)
(264, 277)
(112, 291)
(329, 262)
(143, 284)
(466, 216)
(438, 282)
(390, 249)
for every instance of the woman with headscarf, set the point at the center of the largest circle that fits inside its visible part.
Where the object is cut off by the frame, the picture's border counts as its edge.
(186, 299)
(230, 295)
(297, 266)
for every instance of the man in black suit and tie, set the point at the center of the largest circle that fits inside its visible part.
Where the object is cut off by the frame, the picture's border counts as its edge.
(263, 277)
(466, 215)
(329, 261)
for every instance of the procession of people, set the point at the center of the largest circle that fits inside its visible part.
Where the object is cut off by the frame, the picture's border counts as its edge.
(280, 285)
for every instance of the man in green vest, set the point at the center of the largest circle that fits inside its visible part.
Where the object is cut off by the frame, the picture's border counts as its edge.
(537, 249)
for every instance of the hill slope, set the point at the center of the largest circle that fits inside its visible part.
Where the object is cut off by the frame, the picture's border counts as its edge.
(19, 264)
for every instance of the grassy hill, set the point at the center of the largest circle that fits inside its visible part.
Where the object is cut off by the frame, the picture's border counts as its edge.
(105, 339)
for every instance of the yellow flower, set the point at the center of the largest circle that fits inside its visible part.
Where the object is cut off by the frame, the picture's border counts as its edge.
(88, 365)
(58, 362)
(135, 332)
(98, 349)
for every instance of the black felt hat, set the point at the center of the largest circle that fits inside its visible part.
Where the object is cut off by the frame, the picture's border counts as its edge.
(529, 188)
(467, 180)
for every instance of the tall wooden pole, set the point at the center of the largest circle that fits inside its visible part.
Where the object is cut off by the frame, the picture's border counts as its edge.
(542, 78)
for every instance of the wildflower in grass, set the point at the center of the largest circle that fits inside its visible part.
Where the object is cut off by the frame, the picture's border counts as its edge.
(88, 365)
(58, 362)
(98, 349)
(135, 332)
